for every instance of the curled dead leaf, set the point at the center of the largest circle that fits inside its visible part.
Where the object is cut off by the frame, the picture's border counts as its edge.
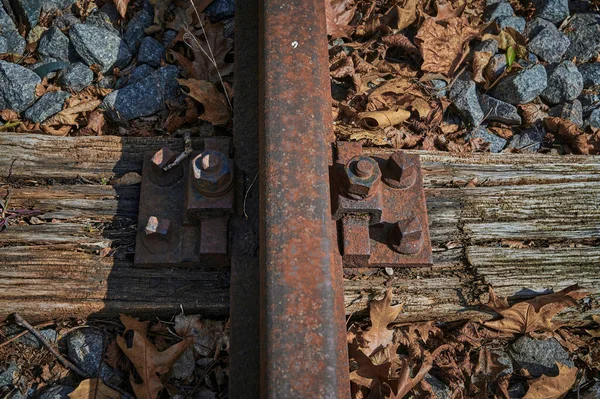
(382, 313)
(480, 61)
(216, 110)
(381, 119)
(556, 387)
(338, 14)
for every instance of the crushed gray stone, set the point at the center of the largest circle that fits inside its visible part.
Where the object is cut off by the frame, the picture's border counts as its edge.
(496, 143)
(17, 86)
(48, 105)
(593, 120)
(517, 23)
(590, 73)
(76, 78)
(565, 83)
(55, 44)
(553, 10)
(15, 42)
(151, 52)
(534, 26)
(572, 111)
(134, 33)
(523, 86)
(529, 140)
(583, 31)
(495, 67)
(56, 392)
(539, 356)
(488, 46)
(499, 111)
(85, 348)
(549, 44)
(463, 95)
(112, 53)
(497, 11)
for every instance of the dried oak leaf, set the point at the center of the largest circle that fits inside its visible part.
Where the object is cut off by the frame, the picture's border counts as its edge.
(534, 314)
(94, 389)
(400, 17)
(216, 110)
(557, 387)
(381, 313)
(443, 43)
(407, 334)
(571, 133)
(147, 360)
(8, 115)
(596, 332)
(338, 14)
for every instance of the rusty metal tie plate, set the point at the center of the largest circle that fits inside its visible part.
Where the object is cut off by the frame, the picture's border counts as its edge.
(184, 211)
(379, 204)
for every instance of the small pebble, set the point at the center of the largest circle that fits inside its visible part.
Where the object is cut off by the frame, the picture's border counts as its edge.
(463, 95)
(76, 78)
(500, 111)
(549, 44)
(49, 104)
(572, 111)
(497, 11)
(539, 357)
(496, 143)
(522, 86)
(565, 83)
(517, 23)
(553, 10)
(590, 73)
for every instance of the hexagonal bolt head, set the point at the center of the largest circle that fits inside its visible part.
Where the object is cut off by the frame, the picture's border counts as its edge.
(162, 158)
(406, 236)
(361, 177)
(401, 171)
(212, 173)
(157, 228)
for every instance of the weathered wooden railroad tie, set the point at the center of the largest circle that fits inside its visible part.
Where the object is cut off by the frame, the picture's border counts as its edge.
(325, 213)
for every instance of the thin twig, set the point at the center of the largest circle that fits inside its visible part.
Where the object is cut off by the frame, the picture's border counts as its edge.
(246, 195)
(19, 335)
(187, 140)
(21, 321)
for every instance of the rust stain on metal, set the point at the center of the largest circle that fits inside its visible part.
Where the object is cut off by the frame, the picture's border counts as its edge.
(390, 199)
(303, 333)
(178, 223)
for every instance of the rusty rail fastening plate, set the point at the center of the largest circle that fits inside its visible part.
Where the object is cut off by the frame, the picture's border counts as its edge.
(183, 213)
(380, 206)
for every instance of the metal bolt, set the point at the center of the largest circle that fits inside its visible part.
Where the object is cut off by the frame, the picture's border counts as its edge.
(361, 177)
(400, 171)
(406, 236)
(212, 174)
(162, 158)
(157, 227)
(364, 168)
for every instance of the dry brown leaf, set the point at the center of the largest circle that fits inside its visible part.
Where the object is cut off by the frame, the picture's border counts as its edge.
(147, 360)
(339, 13)
(400, 41)
(94, 389)
(570, 132)
(121, 7)
(69, 116)
(381, 119)
(369, 373)
(216, 110)
(95, 122)
(415, 331)
(8, 115)
(443, 43)
(401, 17)
(534, 314)
(480, 61)
(596, 332)
(381, 313)
(557, 387)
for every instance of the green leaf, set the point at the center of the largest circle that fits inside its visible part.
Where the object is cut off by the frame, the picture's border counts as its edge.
(511, 55)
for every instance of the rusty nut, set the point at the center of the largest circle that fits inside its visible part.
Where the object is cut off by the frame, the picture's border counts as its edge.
(361, 177)
(212, 173)
(401, 171)
(157, 228)
(162, 158)
(406, 236)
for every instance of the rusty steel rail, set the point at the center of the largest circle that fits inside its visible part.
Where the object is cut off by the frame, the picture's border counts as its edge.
(303, 335)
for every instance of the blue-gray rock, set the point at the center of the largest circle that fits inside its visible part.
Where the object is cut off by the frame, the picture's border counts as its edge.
(584, 33)
(17, 86)
(439, 87)
(523, 86)
(101, 20)
(549, 44)
(219, 10)
(55, 44)
(463, 95)
(590, 73)
(151, 52)
(497, 11)
(539, 356)
(499, 111)
(111, 12)
(495, 67)
(57, 5)
(28, 339)
(85, 348)
(111, 53)
(572, 111)
(15, 42)
(140, 72)
(48, 105)
(56, 392)
(3, 45)
(145, 97)
(135, 29)
(517, 390)
(590, 100)
(76, 78)
(496, 143)
(229, 28)
(17, 394)
(593, 120)
(565, 83)
(440, 390)
(8, 375)
(114, 377)
(535, 26)
(27, 11)
(490, 2)
(65, 21)
(488, 46)
(168, 37)
(553, 10)
(504, 359)
(517, 23)
(529, 140)
(107, 82)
